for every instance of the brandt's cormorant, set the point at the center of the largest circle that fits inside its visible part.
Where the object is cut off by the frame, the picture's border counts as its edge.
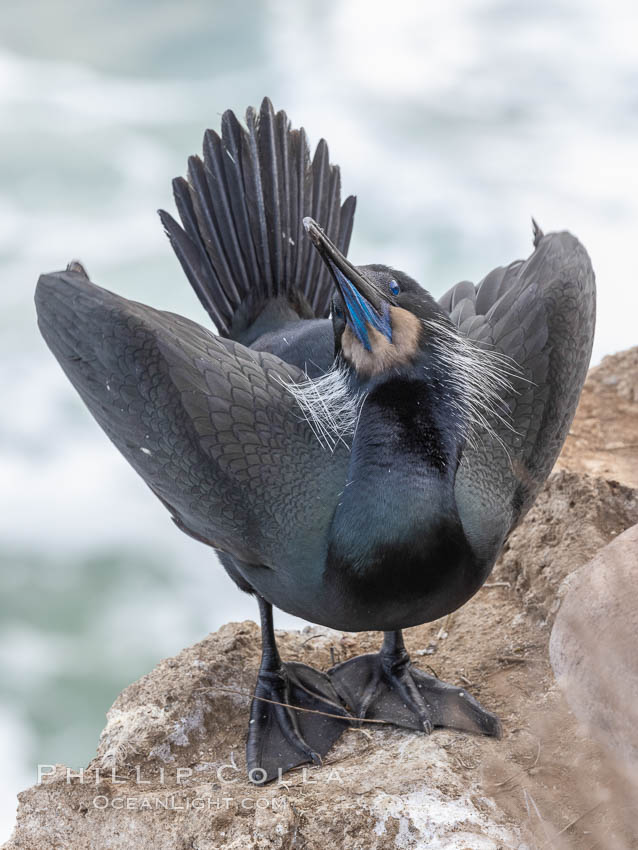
(355, 451)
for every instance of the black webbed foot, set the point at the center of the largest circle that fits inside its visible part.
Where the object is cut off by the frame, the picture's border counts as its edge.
(279, 737)
(290, 722)
(386, 686)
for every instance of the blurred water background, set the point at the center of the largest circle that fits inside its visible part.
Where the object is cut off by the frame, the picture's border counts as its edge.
(453, 123)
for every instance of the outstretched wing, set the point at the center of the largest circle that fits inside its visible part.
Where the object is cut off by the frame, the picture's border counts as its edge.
(206, 422)
(541, 314)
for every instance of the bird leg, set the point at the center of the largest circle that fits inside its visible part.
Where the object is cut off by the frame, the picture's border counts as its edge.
(281, 735)
(386, 686)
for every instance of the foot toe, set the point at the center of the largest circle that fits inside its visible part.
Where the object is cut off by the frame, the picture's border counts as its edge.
(295, 718)
(405, 696)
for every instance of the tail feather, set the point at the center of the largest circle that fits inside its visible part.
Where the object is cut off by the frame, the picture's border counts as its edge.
(196, 264)
(232, 133)
(190, 249)
(320, 166)
(333, 209)
(242, 209)
(282, 131)
(208, 226)
(303, 186)
(346, 220)
(255, 199)
(270, 162)
(214, 167)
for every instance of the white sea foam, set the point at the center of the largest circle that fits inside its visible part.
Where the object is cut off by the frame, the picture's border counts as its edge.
(15, 739)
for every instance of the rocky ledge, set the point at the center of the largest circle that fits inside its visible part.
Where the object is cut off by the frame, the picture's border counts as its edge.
(170, 771)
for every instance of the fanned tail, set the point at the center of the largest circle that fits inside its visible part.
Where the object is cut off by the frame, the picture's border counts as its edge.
(242, 207)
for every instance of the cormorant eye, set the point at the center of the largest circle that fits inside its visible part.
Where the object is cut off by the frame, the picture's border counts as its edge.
(394, 287)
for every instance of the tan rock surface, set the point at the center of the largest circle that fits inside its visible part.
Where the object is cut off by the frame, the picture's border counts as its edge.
(603, 439)
(548, 783)
(594, 641)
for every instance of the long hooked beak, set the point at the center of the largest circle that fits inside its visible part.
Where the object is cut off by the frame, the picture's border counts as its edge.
(364, 303)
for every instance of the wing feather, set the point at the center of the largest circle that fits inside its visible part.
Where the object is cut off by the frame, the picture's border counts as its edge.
(539, 313)
(206, 422)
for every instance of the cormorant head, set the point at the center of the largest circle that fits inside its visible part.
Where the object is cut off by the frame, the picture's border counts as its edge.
(377, 312)
(399, 344)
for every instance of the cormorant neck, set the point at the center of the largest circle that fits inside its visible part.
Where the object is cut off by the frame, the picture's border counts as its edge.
(398, 504)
